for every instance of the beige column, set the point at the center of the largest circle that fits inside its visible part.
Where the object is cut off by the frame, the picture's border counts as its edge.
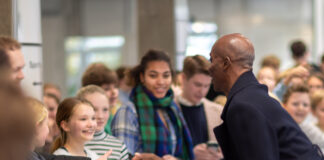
(156, 26)
(6, 25)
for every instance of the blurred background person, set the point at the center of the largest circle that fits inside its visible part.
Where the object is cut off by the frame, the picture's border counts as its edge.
(123, 86)
(50, 88)
(17, 63)
(100, 75)
(315, 82)
(300, 55)
(297, 102)
(51, 102)
(290, 77)
(200, 114)
(268, 77)
(40, 121)
(177, 83)
(271, 61)
(317, 99)
(17, 128)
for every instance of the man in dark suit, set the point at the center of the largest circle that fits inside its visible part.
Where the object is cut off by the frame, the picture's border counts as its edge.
(255, 126)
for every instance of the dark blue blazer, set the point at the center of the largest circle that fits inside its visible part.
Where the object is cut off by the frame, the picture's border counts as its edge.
(256, 126)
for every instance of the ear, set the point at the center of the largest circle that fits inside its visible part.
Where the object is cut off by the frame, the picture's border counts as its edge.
(227, 63)
(65, 126)
(142, 77)
(184, 77)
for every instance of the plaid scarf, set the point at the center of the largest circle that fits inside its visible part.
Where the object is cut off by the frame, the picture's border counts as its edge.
(155, 136)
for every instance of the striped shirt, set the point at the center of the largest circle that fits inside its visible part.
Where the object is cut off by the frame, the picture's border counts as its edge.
(102, 143)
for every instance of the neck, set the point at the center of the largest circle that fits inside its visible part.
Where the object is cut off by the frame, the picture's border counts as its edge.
(75, 147)
(233, 76)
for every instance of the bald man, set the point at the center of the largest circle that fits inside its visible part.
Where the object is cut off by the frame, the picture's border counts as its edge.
(255, 126)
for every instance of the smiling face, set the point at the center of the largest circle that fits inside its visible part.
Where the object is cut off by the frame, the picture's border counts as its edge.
(157, 78)
(101, 107)
(298, 106)
(196, 87)
(82, 123)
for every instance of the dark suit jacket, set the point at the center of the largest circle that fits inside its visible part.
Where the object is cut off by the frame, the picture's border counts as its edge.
(256, 127)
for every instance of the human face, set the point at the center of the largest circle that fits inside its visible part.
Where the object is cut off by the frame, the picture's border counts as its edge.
(196, 87)
(51, 106)
(216, 71)
(111, 92)
(319, 113)
(81, 125)
(52, 90)
(42, 131)
(17, 64)
(298, 106)
(157, 78)
(101, 107)
(266, 76)
(314, 84)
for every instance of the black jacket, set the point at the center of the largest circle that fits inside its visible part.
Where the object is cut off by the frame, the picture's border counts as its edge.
(61, 157)
(256, 127)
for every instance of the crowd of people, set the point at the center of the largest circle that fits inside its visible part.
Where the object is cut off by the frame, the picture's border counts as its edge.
(151, 112)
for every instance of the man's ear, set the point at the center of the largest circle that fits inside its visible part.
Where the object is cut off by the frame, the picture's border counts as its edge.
(227, 63)
(65, 126)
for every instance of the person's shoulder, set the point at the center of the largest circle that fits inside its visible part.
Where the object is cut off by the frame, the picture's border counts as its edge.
(127, 107)
(211, 103)
(212, 106)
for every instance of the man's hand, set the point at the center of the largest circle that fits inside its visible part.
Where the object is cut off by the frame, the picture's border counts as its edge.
(146, 156)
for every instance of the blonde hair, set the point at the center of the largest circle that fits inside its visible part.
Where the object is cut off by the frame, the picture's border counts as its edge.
(38, 109)
(316, 98)
(89, 89)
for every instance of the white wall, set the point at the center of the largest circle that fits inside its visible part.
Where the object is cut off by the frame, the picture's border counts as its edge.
(270, 25)
(97, 18)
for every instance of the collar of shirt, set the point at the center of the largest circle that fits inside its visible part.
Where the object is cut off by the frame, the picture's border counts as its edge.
(186, 102)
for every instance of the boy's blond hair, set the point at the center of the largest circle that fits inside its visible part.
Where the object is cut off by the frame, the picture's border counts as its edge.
(89, 89)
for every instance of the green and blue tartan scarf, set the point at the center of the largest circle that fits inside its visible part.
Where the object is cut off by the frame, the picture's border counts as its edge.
(155, 136)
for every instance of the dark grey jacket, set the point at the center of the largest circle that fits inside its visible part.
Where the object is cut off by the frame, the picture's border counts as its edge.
(257, 127)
